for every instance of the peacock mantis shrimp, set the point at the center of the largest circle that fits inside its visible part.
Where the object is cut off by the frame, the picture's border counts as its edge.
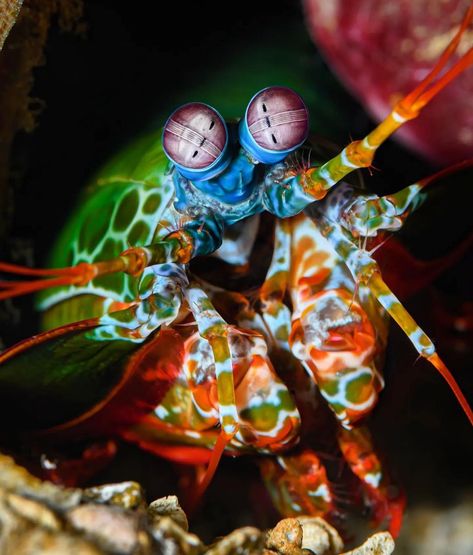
(113, 311)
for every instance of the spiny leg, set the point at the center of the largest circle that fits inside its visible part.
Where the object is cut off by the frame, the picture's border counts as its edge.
(277, 320)
(360, 154)
(265, 416)
(338, 340)
(268, 417)
(270, 318)
(343, 361)
(364, 268)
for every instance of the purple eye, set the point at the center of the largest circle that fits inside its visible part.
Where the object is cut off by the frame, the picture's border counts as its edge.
(278, 119)
(195, 136)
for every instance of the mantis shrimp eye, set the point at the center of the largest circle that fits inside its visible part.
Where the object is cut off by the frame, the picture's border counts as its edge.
(195, 139)
(276, 122)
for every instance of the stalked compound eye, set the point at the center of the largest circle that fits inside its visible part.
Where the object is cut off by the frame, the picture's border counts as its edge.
(195, 139)
(276, 122)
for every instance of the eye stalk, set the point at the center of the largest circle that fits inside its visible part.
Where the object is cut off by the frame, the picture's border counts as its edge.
(276, 123)
(195, 139)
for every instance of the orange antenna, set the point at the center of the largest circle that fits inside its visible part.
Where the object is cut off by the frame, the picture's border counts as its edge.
(74, 275)
(420, 94)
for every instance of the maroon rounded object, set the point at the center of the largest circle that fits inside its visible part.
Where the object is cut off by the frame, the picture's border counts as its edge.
(278, 119)
(194, 136)
(381, 50)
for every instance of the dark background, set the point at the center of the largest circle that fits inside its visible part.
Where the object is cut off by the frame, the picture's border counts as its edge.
(134, 65)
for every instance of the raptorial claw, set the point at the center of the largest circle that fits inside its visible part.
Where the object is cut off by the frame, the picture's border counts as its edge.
(364, 268)
(337, 343)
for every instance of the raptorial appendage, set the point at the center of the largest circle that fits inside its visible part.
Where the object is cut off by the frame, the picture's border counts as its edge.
(332, 333)
(365, 271)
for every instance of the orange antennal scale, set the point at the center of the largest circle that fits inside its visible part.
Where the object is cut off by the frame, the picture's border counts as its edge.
(74, 275)
(463, 63)
(25, 271)
(415, 96)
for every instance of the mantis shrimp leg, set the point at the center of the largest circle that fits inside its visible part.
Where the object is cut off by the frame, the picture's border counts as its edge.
(368, 214)
(214, 329)
(275, 313)
(364, 268)
(258, 387)
(297, 483)
(340, 335)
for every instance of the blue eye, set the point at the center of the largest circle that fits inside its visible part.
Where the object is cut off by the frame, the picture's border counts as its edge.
(276, 122)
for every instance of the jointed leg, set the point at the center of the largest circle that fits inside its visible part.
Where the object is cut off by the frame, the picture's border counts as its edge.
(367, 214)
(331, 333)
(364, 268)
(214, 329)
(275, 313)
(270, 416)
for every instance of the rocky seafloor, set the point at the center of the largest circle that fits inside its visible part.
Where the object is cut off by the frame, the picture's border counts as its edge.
(39, 517)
